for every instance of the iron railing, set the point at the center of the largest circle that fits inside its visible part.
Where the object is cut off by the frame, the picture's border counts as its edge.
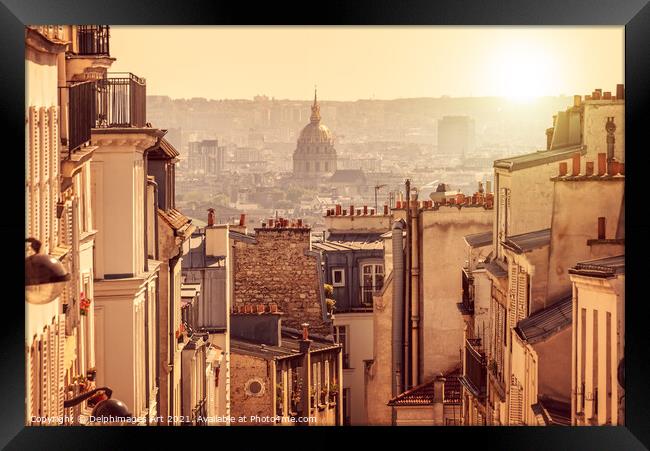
(93, 40)
(81, 113)
(121, 101)
(475, 372)
(467, 297)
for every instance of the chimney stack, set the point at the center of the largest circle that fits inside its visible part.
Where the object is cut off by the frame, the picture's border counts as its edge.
(385, 210)
(338, 210)
(601, 228)
(602, 163)
(577, 100)
(242, 219)
(620, 92)
(210, 217)
(576, 164)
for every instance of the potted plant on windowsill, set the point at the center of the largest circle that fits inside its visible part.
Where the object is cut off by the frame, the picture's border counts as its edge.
(334, 392)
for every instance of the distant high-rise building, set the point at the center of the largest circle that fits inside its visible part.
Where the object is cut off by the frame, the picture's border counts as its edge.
(206, 157)
(456, 135)
(315, 154)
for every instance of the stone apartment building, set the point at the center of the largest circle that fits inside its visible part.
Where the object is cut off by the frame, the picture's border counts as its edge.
(528, 378)
(353, 256)
(416, 311)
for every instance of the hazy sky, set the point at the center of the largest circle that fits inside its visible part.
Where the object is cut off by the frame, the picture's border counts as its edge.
(349, 63)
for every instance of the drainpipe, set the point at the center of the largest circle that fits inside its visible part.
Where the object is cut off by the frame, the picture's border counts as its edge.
(398, 311)
(406, 318)
(156, 256)
(414, 299)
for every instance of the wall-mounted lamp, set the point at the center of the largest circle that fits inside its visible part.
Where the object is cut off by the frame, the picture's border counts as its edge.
(45, 276)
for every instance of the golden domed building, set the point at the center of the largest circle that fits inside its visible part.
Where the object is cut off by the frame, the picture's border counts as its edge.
(315, 155)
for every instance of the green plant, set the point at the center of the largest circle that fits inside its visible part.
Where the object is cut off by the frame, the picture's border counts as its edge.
(331, 305)
(334, 388)
(329, 290)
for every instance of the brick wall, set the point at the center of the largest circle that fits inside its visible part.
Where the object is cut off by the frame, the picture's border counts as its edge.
(275, 269)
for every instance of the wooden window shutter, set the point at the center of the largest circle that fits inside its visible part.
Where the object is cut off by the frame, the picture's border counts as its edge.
(53, 373)
(45, 366)
(35, 174)
(60, 374)
(45, 165)
(54, 172)
(522, 295)
(512, 296)
(34, 379)
(516, 402)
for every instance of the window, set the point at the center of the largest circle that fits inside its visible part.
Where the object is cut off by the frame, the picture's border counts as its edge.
(341, 337)
(338, 277)
(372, 280)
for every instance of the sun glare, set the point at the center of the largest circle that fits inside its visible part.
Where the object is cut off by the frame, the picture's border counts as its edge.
(523, 71)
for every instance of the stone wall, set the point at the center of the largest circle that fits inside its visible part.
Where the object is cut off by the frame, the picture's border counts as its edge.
(244, 368)
(276, 269)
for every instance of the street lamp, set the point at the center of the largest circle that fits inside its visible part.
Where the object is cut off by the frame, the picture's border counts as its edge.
(45, 276)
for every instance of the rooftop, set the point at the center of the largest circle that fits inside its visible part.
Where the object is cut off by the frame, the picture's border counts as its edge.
(479, 239)
(552, 412)
(603, 267)
(348, 176)
(547, 322)
(174, 218)
(423, 394)
(290, 345)
(351, 242)
(538, 158)
(528, 241)
(496, 270)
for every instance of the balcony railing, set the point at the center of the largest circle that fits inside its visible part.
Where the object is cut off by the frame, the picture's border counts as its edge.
(93, 40)
(81, 113)
(466, 305)
(121, 101)
(475, 371)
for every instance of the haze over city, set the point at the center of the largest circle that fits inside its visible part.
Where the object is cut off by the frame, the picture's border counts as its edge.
(350, 63)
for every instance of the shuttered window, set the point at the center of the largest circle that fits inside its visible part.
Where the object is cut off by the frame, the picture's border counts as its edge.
(516, 403)
(35, 172)
(45, 165)
(522, 295)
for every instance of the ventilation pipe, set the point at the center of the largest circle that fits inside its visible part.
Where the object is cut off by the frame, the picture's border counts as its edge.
(398, 309)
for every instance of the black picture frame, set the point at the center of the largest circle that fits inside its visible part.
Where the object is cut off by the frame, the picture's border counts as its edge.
(633, 14)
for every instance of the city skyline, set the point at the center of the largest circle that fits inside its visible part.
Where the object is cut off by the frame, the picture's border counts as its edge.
(352, 63)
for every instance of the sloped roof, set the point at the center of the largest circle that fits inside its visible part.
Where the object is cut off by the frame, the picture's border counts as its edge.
(602, 267)
(547, 322)
(174, 218)
(423, 394)
(351, 242)
(538, 158)
(289, 346)
(528, 241)
(479, 239)
(496, 270)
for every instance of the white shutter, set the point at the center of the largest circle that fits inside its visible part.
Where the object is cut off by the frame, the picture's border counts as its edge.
(34, 379)
(53, 373)
(512, 296)
(60, 373)
(516, 403)
(45, 164)
(522, 295)
(35, 172)
(54, 163)
(44, 373)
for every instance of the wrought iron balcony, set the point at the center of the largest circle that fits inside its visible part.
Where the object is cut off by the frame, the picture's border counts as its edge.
(93, 40)
(466, 306)
(474, 376)
(121, 101)
(81, 113)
